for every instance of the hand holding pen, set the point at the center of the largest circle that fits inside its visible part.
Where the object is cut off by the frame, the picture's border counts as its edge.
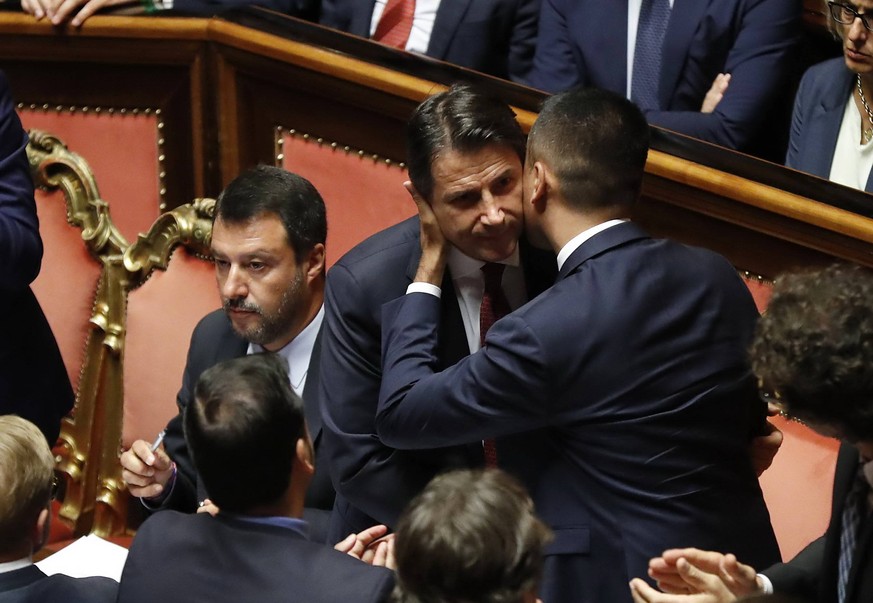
(146, 468)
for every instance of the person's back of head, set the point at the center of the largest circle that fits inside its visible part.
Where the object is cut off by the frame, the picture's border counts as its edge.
(813, 349)
(271, 190)
(595, 142)
(464, 118)
(470, 537)
(27, 474)
(246, 431)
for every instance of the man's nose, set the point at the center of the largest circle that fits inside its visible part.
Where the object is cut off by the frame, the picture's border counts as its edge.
(492, 212)
(235, 285)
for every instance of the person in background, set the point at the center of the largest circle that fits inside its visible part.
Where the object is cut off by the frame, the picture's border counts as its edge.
(832, 123)
(267, 242)
(472, 536)
(76, 12)
(27, 474)
(496, 37)
(249, 443)
(711, 70)
(33, 379)
(813, 354)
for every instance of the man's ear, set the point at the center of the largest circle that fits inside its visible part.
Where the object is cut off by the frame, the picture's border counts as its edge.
(539, 190)
(305, 454)
(314, 264)
(41, 529)
(413, 192)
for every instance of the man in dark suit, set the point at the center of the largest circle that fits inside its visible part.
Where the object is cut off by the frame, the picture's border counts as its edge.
(587, 42)
(492, 36)
(635, 361)
(479, 187)
(813, 355)
(268, 243)
(250, 446)
(27, 475)
(33, 380)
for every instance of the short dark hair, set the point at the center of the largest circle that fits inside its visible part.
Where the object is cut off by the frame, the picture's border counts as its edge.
(472, 536)
(814, 348)
(271, 190)
(596, 142)
(464, 118)
(242, 429)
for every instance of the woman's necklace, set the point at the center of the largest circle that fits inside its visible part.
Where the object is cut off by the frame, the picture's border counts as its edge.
(866, 133)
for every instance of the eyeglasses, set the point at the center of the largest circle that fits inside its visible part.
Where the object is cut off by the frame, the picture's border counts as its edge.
(846, 15)
(55, 487)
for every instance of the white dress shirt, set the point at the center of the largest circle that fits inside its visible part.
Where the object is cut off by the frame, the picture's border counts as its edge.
(574, 243)
(297, 352)
(469, 283)
(852, 160)
(422, 23)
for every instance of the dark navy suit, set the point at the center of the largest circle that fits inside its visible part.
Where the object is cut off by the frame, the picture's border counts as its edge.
(200, 558)
(635, 361)
(33, 380)
(492, 36)
(818, 114)
(214, 341)
(812, 574)
(585, 42)
(31, 585)
(375, 482)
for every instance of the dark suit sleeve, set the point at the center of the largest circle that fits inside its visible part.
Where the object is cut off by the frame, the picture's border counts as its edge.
(336, 14)
(490, 393)
(183, 496)
(522, 41)
(556, 65)
(376, 479)
(793, 155)
(800, 576)
(759, 62)
(20, 243)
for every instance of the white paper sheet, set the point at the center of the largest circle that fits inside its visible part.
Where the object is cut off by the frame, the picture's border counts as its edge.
(88, 556)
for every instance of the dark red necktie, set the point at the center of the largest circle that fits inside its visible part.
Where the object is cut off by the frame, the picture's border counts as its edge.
(494, 307)
(395, 23)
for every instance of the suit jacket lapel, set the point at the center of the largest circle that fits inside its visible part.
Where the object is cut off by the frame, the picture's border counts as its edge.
(684, 19)
(449, 16)
(310, 391)
(825, 122)
(362, 17)
(600, 243)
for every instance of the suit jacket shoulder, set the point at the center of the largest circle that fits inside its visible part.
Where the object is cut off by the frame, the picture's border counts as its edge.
(31, 585)
(221, 559)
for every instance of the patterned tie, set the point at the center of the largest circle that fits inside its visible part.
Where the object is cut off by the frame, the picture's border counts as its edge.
(395, 23)
(854, 512)
(654, 16)
(494, 307)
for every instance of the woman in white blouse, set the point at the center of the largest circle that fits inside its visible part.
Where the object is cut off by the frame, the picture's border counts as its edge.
(832, 124)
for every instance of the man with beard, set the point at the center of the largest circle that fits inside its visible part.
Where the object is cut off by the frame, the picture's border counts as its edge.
(268, 239)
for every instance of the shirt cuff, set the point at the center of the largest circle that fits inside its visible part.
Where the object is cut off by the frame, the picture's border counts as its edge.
(766, 585)
(156, 502)
(424, 288)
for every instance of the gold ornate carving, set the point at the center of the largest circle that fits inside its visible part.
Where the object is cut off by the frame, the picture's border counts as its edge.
(90, 440)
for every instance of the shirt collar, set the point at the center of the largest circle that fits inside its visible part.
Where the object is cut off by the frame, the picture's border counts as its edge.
(576, 242)
(298, 351)
(11, 566)
(461, 265)
(294, 524)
